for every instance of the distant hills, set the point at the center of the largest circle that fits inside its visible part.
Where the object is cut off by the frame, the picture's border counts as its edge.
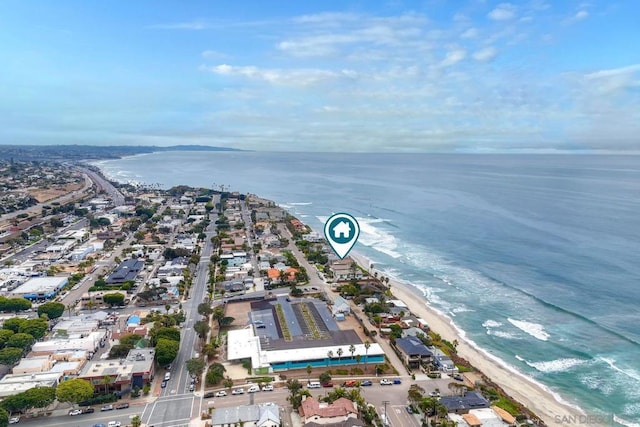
(90, 152)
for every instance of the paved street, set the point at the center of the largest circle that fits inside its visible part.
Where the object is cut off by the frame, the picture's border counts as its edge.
(176, 405)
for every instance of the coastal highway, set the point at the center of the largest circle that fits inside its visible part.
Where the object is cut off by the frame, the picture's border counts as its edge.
(176, 405)
(102, 184)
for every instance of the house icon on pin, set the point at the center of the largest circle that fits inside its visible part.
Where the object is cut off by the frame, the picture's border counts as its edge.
(342, 230)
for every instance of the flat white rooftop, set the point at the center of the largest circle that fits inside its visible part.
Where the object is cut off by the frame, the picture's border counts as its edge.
(40, 285)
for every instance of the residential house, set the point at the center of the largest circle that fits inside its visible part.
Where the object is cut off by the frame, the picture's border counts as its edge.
(463, 404)
(312, 410)
(413, 352)
(264, 415)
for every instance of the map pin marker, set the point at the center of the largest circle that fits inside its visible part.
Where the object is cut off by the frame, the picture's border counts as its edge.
(341, 231)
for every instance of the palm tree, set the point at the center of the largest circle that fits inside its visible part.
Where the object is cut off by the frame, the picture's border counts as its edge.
(367, 344)
(352, 349)
(339, 353)
(309, 369)
(329, 356)
(106, 381)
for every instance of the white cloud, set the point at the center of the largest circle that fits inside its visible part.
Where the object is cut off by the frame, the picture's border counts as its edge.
(470, 33)
(486, 55)
(289, 77)
(503, 12)
(453, 57)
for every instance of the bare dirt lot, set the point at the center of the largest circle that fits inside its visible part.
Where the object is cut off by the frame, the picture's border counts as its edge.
(45, 194)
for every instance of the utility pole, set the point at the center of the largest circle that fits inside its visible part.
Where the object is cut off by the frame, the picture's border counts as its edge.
(385, 422)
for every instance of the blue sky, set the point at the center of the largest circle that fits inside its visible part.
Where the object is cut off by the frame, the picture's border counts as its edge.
(470, 76)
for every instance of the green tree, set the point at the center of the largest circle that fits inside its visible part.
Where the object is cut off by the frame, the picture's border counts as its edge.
(21, 340)
(113, 299)
(166, 351)
(13, 324)
(204, 309)
(202, 328)
(166, 332)
(37, 328)
(295, 395)
(218, 315)
(4, 418)
(74, 391)
(10, 355)
(40, 397)
(325, 377)
(367, 345)
(130, 340)
(119, 351)
(352, 349)
(52, 309)
(215, 374)
(195, 366)
(5, 334)
(136, 421)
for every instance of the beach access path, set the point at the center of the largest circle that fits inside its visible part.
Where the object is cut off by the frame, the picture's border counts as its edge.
(540, 401)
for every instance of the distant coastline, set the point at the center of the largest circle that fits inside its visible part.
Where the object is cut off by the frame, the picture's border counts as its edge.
(92, 152)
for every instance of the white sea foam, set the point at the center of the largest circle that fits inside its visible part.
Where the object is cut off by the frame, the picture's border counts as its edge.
(492, 324)
(462, 309)
(628, 372)
(502, 334)
(300, 203)
(536, 330)
(374, 237)
(625, 422)
(558, 365)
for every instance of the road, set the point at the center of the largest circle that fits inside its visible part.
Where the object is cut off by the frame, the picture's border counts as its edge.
(176, 405)
(102, 184)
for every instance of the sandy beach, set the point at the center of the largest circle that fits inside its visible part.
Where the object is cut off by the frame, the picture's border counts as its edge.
(534, 396)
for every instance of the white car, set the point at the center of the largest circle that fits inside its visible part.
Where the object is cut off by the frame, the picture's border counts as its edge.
(385, 381)
(238, 391)
(253, 389)
(268, 387)
(113, 424)
(221, 393)
(75, 412)
(14, 420)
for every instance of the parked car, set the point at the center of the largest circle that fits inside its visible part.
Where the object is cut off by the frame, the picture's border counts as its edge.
(366, 383)
(268, 387)
(238, 391)
(99, 425)
(122, 406)
(210, 394)
(397, 381)
(75, 412)
(350, 383)
(163, 384)
(14, 420)
(327, 384)
(113, 424)
(253, 389)
(385, 381)
(88, 410)
(167, 376)
(107, 408)
(410, 409)
(191, 387)
(434, 394)
(220, 393)
(458, 377)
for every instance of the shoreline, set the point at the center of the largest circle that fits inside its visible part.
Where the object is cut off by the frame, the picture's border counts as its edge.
(544, 403)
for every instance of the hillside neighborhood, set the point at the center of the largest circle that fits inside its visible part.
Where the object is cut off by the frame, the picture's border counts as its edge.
(193, 306)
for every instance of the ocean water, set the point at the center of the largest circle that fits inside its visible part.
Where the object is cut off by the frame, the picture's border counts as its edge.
(535, 257)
